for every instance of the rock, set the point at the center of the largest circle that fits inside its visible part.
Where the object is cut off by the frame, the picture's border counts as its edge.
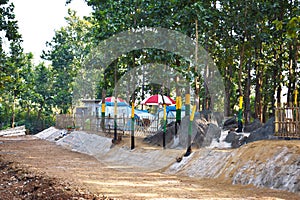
(202, 134)
(230, 136)
(157, 138)
(212, 132)
(265, 132)
(230, 123)
(212, 117)
(205, 114)
(235, 139)
(179, 159)
(198, 139)
(253, 126)
(218, 116)
(241, 140)
(199, 127)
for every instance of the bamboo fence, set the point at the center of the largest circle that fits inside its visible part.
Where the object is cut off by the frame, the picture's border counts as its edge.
(287, 121)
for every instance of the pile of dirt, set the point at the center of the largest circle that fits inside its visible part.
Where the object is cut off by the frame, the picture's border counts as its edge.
(19, 183)
(118, 155)
(86, 143)
(271, 164)
(85, 172)
(52, 134)
(268, 163)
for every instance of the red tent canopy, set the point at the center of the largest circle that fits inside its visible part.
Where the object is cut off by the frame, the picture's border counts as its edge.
(157, 99)
(112, 99)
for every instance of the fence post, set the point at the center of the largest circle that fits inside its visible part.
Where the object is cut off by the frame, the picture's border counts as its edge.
(178, 113)
(115, 121)
(132, 126)
(190, 132)
(281, 119)
(157, 124)
(103, 116)
(165, 126)
(276, 120)
(240, 115)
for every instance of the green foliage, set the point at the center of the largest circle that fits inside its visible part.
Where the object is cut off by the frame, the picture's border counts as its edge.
(66, 53)
(255, 45)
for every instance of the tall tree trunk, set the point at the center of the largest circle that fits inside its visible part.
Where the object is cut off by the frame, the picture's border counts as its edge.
(133, 80)
(177, 89)
(258, 85)
(197, 88)
(227, 98)
(102, 122)
(280, 66)
(278, 96)
(205, 99)
(28, 112)
(293, 56)
(264, 110)
(280, 55)
(39, 117)
(13, 110)
(291, 84)
(276, 83)
(242, 52)
(205, 103)
(228, 83)
(247, 93)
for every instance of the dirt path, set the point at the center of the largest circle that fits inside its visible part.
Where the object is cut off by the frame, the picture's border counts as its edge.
(82, 171)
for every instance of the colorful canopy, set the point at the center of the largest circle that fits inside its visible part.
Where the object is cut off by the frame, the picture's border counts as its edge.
(157, 100)
(110, 101)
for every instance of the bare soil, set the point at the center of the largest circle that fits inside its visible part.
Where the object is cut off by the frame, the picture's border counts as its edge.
(37, 169)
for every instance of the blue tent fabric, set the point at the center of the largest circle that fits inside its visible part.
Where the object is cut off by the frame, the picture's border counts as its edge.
(118, 104)
(124, 108)
(173, 108)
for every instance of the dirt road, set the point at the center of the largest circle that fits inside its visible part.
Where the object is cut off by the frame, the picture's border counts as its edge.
(79, 174)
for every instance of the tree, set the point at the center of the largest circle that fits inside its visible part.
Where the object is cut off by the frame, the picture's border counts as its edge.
(66, 53)
(11, 61)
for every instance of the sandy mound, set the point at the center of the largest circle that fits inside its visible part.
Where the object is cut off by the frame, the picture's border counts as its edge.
(267, 163)
(121, 157)
(51, 134)
(272, 164)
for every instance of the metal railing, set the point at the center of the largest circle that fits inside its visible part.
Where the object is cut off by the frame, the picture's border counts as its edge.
(142, 127)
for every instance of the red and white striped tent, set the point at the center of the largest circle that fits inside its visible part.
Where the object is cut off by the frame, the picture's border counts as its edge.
(158, 99)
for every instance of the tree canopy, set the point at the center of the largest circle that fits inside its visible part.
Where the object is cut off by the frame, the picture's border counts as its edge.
(254, 44)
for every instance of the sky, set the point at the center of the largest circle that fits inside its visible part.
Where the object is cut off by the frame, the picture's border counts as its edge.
(38, 19)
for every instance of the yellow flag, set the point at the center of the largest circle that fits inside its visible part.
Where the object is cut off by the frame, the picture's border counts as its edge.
(132, 110)
(193, 113)
(178, 102)
(241, 102)
(165, 112)
(103, 107)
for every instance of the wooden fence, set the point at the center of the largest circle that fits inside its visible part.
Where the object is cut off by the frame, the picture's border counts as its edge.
(64, 121)
(287, 122)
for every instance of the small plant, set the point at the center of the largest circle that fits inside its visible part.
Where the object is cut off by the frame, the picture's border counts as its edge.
(70, 127)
